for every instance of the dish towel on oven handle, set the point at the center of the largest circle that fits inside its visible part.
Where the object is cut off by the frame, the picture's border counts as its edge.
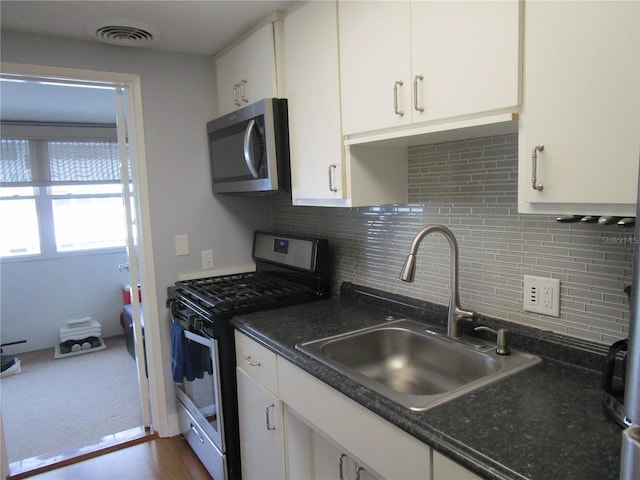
(182, 365)
(187, 362)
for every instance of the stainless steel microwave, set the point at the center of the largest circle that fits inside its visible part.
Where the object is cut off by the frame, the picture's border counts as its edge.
(249, 149)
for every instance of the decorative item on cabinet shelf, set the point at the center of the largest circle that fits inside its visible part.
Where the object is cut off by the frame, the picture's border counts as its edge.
(600, 220)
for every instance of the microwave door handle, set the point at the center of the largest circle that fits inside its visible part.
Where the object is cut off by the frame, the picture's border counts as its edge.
(247, 151)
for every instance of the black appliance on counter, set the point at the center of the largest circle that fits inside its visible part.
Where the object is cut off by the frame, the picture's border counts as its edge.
(614, 378)
(622, 401)
(290, 269)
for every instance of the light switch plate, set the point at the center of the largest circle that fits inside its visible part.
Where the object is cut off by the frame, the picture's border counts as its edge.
(542, 295)
(182, 245)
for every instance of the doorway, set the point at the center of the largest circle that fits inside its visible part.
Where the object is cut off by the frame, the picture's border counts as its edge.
(130, 144)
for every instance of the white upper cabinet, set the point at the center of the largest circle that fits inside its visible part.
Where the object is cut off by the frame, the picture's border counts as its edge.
(465, 58)
(375, 65)
(246, 71)
(313, 93)
(405, 62)
(581, 103)
(323, 171)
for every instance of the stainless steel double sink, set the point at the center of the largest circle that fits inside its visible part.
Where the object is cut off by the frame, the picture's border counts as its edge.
(412, 365)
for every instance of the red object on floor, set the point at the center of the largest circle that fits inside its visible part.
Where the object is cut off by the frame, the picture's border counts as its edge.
(126, 298)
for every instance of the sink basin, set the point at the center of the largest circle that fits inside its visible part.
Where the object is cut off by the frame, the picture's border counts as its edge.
(413, 366)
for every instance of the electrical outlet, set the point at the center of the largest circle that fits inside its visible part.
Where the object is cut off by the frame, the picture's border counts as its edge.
(207, 259)
(542, 295)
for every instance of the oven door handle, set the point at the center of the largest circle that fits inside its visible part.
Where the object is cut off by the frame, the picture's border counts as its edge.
(197, 433)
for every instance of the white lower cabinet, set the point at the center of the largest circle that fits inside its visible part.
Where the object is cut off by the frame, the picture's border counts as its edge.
(294, 426)
(446, 469)
(311, 455)
(261, 446)
(382, 449)
(259, 411)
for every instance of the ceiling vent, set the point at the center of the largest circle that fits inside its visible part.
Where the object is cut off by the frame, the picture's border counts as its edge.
(125, 33)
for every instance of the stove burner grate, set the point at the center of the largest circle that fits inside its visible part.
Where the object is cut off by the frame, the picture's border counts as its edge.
(247, 292)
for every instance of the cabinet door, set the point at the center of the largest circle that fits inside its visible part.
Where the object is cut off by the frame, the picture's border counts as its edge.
(375, 53)
(393, 454)
(250, 67)
(261, 440)
(313, 92)
(581, 103)
(312, 456)
(465, 57)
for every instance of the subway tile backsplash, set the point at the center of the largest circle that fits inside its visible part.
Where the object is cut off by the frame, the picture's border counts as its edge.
(471, 187)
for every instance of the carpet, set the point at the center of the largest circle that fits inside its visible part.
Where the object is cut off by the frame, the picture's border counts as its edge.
(69, 403)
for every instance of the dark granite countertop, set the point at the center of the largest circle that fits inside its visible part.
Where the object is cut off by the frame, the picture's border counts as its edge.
(543, 423)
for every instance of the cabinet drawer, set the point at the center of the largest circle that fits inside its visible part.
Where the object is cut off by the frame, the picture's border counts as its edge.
(209, 455)
(257, 362)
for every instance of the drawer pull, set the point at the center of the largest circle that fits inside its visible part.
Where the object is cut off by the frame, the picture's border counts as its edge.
(243, 91)
(266, 412)
(333, 166)
(398, 83)
(197, 433)
(534, 167)
(250, 362)
(417, 107)
(340, 465)
(236, 102)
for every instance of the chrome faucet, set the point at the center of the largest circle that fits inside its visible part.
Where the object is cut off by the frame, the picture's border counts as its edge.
(456, 314)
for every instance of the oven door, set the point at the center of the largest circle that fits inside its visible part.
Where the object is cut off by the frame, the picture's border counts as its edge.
(201, 396)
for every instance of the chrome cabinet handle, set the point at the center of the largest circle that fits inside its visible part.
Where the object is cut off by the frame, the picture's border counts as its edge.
(534, 167)
(333, 166)
(398, 83)
(340, 466)
(266, 413)
(243, 91)
(247, 152)
(197, 433)
(415, 93)
(250, 362)
(236, 102)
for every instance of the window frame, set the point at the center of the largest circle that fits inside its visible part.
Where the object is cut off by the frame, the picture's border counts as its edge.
(38, 135)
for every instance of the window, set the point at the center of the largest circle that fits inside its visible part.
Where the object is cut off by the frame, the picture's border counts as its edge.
(60, 195)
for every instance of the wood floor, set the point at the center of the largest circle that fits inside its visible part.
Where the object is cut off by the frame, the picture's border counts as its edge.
(157, 459)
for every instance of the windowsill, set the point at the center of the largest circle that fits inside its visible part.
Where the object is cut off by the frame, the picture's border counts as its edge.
(63, 255)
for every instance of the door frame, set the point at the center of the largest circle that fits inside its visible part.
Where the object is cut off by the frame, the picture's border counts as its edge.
(135, 126)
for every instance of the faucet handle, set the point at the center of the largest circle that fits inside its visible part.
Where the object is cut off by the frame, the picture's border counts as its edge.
(502, 335)
(464, 314)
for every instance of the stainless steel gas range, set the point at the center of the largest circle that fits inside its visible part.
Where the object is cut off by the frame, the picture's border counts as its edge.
(290, 269)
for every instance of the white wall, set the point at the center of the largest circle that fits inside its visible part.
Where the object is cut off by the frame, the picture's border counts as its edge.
(177, 101)
(38, 296)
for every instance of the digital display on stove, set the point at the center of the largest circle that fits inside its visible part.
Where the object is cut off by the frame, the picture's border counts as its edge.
(281, 246)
